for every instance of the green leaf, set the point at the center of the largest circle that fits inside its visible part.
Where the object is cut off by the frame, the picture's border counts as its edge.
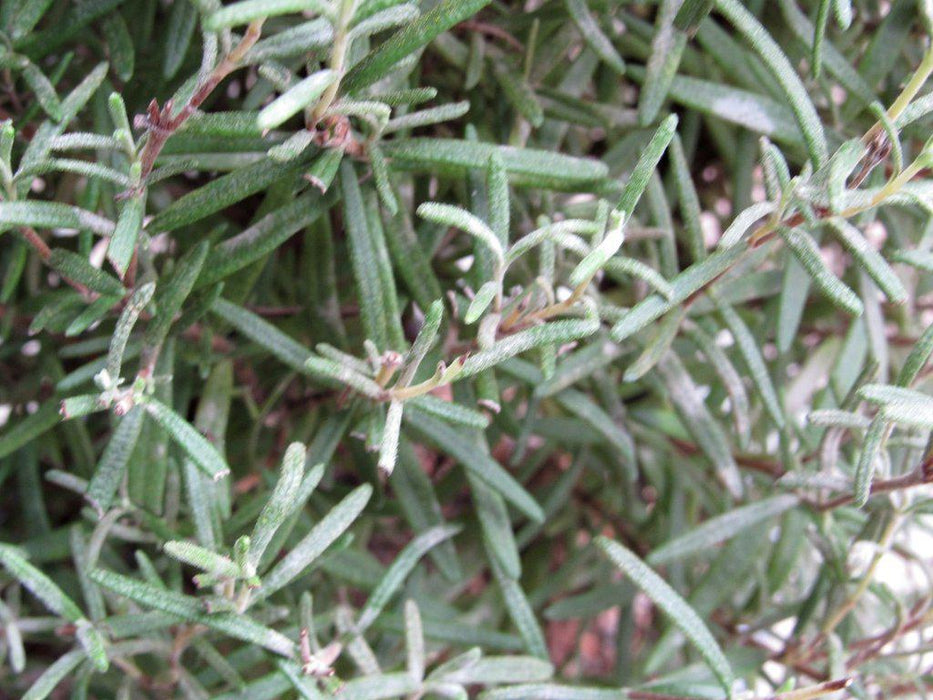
(191, 610)
(656, 346)
(120, 47)
(480, 464)
(521, 612)
(602, 253)
(63, 667)
(265, 236)
(721, 528)
(26, 15)
(53, 215)
(181, 23)
(37, 583)
(413, 37)
(121, 334)
(502, 669)
(691, 14)
(263, 333)
(301, 95)
(414, 641)
(455, 217)
(78, 406)
(172, 293)
(518, 92)
(872, 445)
(28, 429)
(112, 465)
(426, 117)
(675, 607)
(685, 285)
(481, 301)
(281, 503)
(552, 333)
(404, 563)
(77, 268)
(449, 412)
(749, 349)
(685, 395)
(647, 162)
(552, 691)
(388, 449)
(371, 267)
(808, 255)
(869, 259)
(43, 90)
(224, 191)
(195, 445)
(917, 358)
(593, 35)
(247, 11)
(776, 61)
(123, 242)
(525, 166)
(321, 536)
(202, 558)
(667, 46)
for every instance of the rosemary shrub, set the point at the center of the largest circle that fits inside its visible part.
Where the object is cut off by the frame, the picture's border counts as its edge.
(568, 349)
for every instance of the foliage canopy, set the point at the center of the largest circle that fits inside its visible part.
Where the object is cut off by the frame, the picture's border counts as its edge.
(565, 349)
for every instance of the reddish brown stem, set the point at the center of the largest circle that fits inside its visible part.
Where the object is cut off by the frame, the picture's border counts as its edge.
(161, 124)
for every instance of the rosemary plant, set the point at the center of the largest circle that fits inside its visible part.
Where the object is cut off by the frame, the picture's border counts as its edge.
(567, 349)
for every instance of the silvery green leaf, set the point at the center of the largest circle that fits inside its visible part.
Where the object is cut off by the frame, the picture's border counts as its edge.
(300, 96)
(121, 334)
(77, 268)
(321, 536)
(667, 46)
(675, 607)
(414, 641)
(378, 686)
(687, 283)
(247, 11)
(647, 162)
(410, 39)
(721, 528)
(37, 583)
(456, 217)
(498, 534)
(525, 166)
(192, 610)
(776, 61)
(594, 36)
(404, 562)
(503, 669)
(481, 301)
(449, 411)
(111, 468)
(869, 260)
(482, 465)
(281, 501)
(521, 612)
(54, 674)
(197, 447)
(263, 333)
(388, 449)
(808, 255)
(686, 397)
(872, 445)
(202, 558)
(551, 333)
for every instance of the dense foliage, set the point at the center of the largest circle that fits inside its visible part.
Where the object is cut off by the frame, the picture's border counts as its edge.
(569, 349)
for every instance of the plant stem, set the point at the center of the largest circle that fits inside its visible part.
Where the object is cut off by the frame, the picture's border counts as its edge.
(338, 59)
